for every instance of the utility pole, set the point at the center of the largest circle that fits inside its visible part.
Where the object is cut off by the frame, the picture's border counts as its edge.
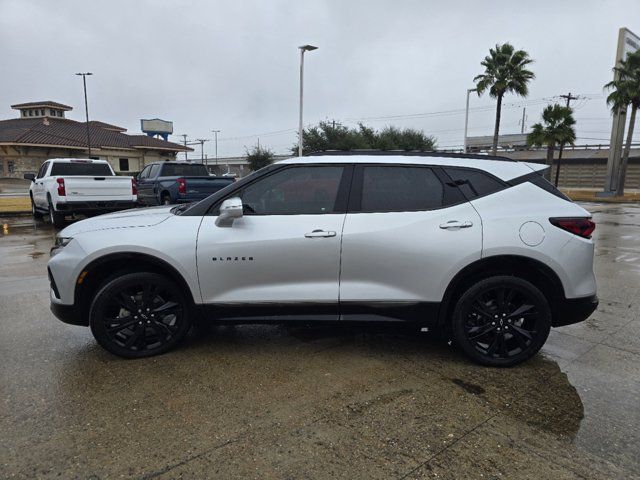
(184, 139)
(201, 141)
(466, 119)
(86, 107)
(524, 111)
(568, 98)
(215, 133)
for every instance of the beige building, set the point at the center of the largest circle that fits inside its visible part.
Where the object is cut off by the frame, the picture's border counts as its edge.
(42, 131)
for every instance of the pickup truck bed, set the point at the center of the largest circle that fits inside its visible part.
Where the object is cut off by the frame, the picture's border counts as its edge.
(177, 182)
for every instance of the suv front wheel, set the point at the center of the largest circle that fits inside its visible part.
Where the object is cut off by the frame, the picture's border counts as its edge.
(139, 315)
(501, 321)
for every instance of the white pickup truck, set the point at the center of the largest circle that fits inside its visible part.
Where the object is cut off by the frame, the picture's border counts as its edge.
(66, 186)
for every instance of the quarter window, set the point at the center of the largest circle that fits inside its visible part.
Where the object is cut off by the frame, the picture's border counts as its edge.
(294, 191)
(400, 189)
(474, 183)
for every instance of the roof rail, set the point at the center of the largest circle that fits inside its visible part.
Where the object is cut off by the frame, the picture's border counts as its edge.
(410, 153)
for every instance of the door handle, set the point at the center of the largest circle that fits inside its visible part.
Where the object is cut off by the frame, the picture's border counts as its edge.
(455, 225)
(319, 234)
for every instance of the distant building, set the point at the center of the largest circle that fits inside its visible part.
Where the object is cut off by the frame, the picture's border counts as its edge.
(42, 131)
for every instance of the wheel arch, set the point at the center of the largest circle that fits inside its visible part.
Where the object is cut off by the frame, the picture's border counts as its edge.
(532, 270)
(113, 265)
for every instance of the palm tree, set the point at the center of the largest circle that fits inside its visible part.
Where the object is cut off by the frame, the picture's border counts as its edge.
(504, 72)
(626, 90)
(557, 128)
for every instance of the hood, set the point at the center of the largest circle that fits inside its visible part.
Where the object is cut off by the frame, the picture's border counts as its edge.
(138, 217)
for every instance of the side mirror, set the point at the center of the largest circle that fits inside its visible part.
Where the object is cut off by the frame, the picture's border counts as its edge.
(230, 209)
(29, 176)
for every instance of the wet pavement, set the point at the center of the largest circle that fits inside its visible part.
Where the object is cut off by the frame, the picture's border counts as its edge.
(277, 402)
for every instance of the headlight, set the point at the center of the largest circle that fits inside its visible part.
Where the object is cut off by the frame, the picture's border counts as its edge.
(61, 242)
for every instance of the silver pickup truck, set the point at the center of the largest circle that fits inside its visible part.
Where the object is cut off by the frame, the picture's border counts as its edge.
(66, 186)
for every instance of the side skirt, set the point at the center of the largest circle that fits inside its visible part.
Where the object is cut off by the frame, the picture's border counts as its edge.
(358, 313)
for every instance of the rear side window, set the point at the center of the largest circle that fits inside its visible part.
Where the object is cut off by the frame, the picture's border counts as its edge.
(81, 168)
(474, 183)
(400, 189)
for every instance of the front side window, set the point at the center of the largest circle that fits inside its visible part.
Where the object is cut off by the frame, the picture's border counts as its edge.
(153, 173)
(43, 169)
(400, 189)
(294, 191)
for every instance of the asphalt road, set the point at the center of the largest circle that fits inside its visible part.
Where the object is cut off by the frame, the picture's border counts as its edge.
(277, 402)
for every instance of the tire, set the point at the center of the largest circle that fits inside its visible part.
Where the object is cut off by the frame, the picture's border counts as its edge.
(34, 211)
(56, 219)
(501, 321)
(165, 199)
(122, 306)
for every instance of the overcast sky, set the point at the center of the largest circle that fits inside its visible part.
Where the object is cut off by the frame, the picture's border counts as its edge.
(233, 65)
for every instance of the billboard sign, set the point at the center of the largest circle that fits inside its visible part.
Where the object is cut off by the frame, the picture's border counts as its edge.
(156, 126)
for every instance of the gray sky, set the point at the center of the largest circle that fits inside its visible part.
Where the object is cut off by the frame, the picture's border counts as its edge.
(233, 65)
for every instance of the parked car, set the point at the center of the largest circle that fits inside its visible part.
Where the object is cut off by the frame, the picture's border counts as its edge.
(67, 186)
(482, 248)
(167, 183)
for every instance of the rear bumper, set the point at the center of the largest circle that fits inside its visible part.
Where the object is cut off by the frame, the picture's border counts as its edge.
(576, 310)
(97, 206)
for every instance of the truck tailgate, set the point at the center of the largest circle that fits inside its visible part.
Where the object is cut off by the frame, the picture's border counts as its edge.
(202, 187)
(80, 188)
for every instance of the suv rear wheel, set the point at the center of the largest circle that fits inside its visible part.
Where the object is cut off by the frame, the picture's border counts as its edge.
(139, 315)
(501, 321)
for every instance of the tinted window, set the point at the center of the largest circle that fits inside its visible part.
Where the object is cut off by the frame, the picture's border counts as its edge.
(81, 168)
(153, 173)
(400, 189)
(42, 170)
(124, 164)
(145, 172)
(184, 170)
(474, 183)
(294, 191)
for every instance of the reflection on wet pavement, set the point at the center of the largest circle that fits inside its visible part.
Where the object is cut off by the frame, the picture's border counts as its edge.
(291, 402)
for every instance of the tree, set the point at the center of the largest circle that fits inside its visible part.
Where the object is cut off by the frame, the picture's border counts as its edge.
(259, 157)
(625, 91)
(504, 72)
(557, 128)
(332, 135)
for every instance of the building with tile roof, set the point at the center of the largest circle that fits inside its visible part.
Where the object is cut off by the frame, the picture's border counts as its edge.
(42, 131)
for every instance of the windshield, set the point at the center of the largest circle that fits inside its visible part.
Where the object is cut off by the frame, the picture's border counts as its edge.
(186, 170)
(81, 168)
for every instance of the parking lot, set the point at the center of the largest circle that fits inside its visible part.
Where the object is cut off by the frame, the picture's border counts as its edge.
(288, 402)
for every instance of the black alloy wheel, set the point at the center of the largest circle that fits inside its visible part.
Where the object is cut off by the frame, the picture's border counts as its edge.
(501, 321)
(139, 315)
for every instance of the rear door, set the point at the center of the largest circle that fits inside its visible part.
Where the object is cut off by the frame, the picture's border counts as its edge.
(408, 231)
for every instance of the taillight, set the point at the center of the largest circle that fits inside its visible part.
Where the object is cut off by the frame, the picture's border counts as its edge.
(182, 186)
(61, 190)
(134, 187)
(583, 227)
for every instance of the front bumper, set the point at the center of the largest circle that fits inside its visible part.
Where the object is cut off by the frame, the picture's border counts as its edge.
(574, 310)
(68, 314)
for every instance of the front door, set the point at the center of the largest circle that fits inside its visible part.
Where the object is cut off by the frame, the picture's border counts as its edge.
(407, 233)
(145, 187)
(39, 190)
(282, 258)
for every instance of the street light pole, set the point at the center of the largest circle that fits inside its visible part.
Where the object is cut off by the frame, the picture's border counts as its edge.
(215, 133)
(466, 119)
(86, 107)
(303, 48)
